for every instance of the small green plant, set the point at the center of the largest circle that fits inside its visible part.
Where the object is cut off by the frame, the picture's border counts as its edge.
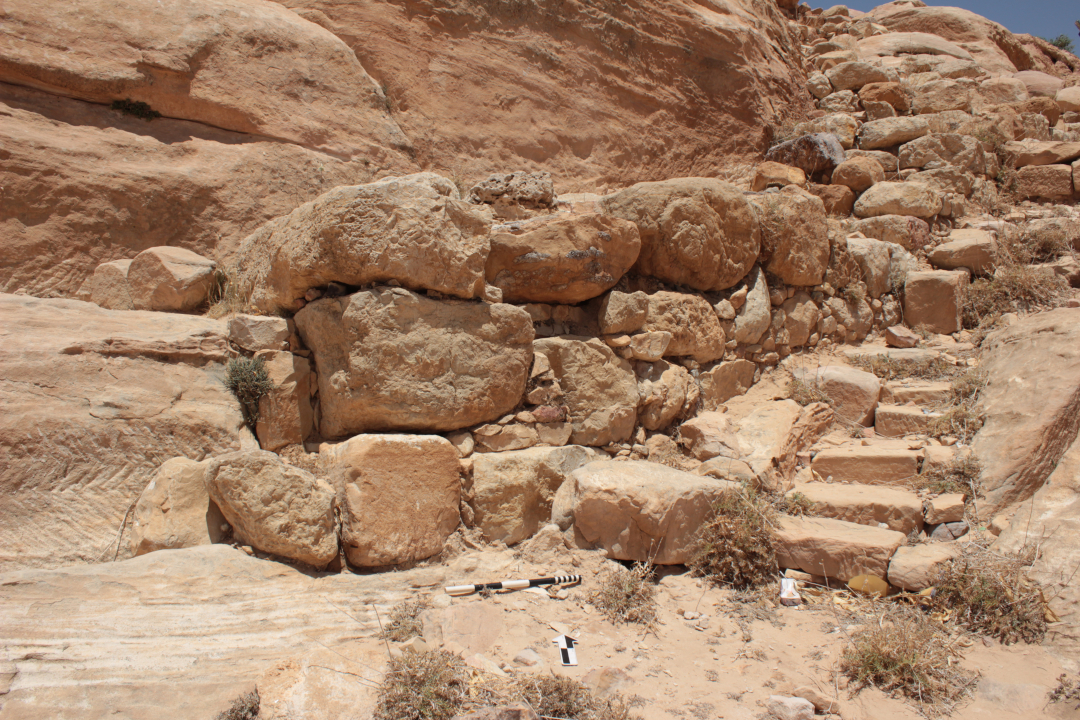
(627, 596)
(248, 380)
(1062, 42)
(734, 547)
(135, 108)
(904, 652)
(245, 707)
(405, 621)
(423, 686)
(989, 593)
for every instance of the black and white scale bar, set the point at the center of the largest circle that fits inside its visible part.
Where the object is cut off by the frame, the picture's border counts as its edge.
(566, 649)
(512, 584)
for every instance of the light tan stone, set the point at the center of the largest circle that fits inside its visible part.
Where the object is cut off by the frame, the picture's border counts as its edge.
(650, 346)
(175, 511)
(801, 316)
(170, 279)
(640, 510)
(941, 96)
(854, 393)
(899, 198)
(724, 381)
(901, 510)
(698, 232)
(842, 125)
(773, 435)
(854, 75)
(915, 568)
(666, 392)
(891, 93)
(512, 492)
(554, 434)
(690, 319)
(945, 508)
(867, 465)
(794, 235)
(875, 260)
(1034, 152)
(899, 336)
(600, 390)
(710, 435)
(900, 420)
(753, 318)
(773, 173)
(888, 132)
(935, 299)
(935, 151)
(1068, 99)
(274, 507)
(501, 438)
(256, 332)
(971, 249)
(929, 394)
(285, 414)
(109, 286)
(858, 173)
(909, 232)
(834, 548)
(564, 258)
(390, 359)
(399, 496)
(623, 312)
(1045, 182)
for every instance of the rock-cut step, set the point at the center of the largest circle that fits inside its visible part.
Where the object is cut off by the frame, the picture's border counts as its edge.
(834, 548)
(867, 464)
(871, 505)
(900, 420)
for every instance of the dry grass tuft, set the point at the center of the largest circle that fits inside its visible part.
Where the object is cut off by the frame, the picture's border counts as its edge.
(1013, 289)
(734, 548)
(989, 593)
(557, 696)
(887, 367)
(627, 596)
(225, 296)
(960, 476)
(245, 707)
(904, 652)
(963, 418)
(405, 621)
(796, 504)
(1067, 691)
(806, 393)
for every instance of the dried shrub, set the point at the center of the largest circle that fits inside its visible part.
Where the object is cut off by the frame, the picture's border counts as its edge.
(225, 295)
(796, 504)
(248, 380)
(558, 696)
(245, 707)
(1067, 691)
(734, 547)
(887, 367)
(1033, 246)
(1013, 289)
(989, 593)
(627, 596)
(404, 621)
(960, 422)
(806, 393)
(959, 476)
(423, 686)
(904, 652)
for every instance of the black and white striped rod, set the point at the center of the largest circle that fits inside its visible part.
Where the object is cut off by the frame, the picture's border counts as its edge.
(512, 584)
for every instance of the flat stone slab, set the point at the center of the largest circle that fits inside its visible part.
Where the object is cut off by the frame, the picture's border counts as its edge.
(867, 465)
(834, 548)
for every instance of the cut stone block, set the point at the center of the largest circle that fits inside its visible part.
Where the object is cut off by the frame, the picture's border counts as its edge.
(914, 568)
(871, 505)
(900, 420)
(945, 509)
(834, 548)
(935, 299)
(868, 465)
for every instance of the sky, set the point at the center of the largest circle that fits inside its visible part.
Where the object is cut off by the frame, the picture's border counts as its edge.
(1045, 18)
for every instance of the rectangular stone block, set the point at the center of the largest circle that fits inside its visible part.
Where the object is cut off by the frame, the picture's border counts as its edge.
(900, 420)
(867, 465)
(935, 299)
(835, 548)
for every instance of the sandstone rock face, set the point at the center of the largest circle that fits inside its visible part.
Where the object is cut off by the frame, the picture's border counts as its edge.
(1002, 90)
(534, 190)
(753, 317)
(694, 231)
(867, 465)
(110, 397)
(175, 511)
(810, 153)
(256, 332)
(562, 259)
(725, 381)
(399, 495)
(897, 198)
(1040, 83)
(1032, 405)
(599, 387)
(665, 392)
(854, 393)
(794, 235)
(389, 359)
(285, 414)
(710, 435)
(910, 43)
(109, 286)
(891, 131)
(169, 279)
(972, 249)
(935, 298)
(275, 507)
(692, 322)
(512, 492)
(901, 510)
(986, 42)
(641, 511)
(623, 312)
(915, 568)
(411, 229)
(773, 173)
(834, 548)
(858, 173)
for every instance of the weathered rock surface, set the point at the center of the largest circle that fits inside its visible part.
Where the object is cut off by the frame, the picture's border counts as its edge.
(564, 259)
(412, 229)
(898, 198)
(794, 235)
(908, 232)
(916, 567)
(875, 262)
(258, 332)
(389, 359)
(108, 287)
(692, 322)
(900, 420)
(666, 392)
(854, 392)
(94, 402)
(725, 381)
(175, 511)
(854, 75)
(891, 131)
(810, 153)
(399, 496)
(858, 173)
(600, 390)
(623, 312)
(1032, 405)
(754, 317)
(274, 507)
(984, 41)
(710, 435)
(834, 548)
(285, 413)
(1045, 182)
(771, 174)
(971, 249)
(801, 316)
(935, 298)
(772, 436)
(169, 279)
(641, 511)
(512, 492)
(867, 465)
(870, 505)
(694, 231)
(938, 150)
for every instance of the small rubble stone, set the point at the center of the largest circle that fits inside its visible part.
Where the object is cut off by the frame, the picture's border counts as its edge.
(946, 532)
(945, 509)
(771, 174)
(899, 336)
(790, 708)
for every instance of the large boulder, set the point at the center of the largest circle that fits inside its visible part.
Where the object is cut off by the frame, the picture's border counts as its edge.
(512, 492)
(874, 261)
(887, 92)
(939, 96)
(274, 507)
(794, 235)
(854, 393)
(842, 125)
(773, 174)
(399, 496)
(693, 324)
(563, 259)
(888, 132)
(259, 332)
(939, 150)
(666, 392)
(899, 198)
(813, 153)
(94, 402)
(390, 359)
(1040, 83)
(640, 510)
(599, 388)
(1032, 405)
(834, 548)
(910, 43)
(412, 229)
(175, 511)
(858, 173)
(698, 232)
(1045, 182)
(170, 279)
